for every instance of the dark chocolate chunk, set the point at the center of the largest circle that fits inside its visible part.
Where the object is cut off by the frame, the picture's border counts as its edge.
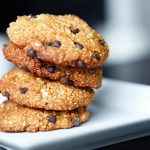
(96, 56)
(38, 55)
(75, 121)
(46, 44)
(31, 53)
(6, 94)
(56, 44)
(78, 45)
(26, 69)
(66, 80)
(74, 30)
(102, 42)
(80, 64)
(51, 118)
(51, 69)
(23, 90)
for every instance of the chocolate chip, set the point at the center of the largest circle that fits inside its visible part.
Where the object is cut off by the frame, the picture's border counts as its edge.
(31, 53)
(101, 42)
(23, 90)
(56, 44)
(6, 94)
(38, 55)
(75, 121)
(78, 45)
(51, 69)
(66, 80)
(46, 44)
(74, 31)
(51, 118)
(80, 64)
(96, 56)
(26, 69)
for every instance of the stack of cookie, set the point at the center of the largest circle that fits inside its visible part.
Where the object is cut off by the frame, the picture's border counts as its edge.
(59, 60)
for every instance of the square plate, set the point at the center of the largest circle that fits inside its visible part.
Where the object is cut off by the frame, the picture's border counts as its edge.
(120, 112)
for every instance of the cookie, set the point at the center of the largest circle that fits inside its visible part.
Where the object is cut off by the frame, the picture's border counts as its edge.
(26, 89)
(79, 77)
(16, 118)
(62, 40)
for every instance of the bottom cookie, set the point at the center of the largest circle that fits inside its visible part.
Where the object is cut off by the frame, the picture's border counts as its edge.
(16, 118)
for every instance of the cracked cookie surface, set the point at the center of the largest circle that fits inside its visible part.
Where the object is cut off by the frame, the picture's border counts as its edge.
(62, 40)
(29, 90)
(16, 118)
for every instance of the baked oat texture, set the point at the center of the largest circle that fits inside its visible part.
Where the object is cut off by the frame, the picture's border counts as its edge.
(62, 40)
(26, 89)
(81, 77)
(16, 118)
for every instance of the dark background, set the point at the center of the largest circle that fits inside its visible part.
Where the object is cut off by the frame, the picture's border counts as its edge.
(94, 12)
(86, 9)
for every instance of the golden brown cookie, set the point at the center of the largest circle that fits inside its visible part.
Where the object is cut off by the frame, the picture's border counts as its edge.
(16, 118)
(84, 77)
(26, 89)
(62, 40)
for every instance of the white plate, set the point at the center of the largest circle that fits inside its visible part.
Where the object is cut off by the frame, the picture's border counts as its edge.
(120, 112)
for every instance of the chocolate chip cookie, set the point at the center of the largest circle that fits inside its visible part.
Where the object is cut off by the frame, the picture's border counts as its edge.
(62, 40)
(27, 59)
(26, 89)
(16, 118)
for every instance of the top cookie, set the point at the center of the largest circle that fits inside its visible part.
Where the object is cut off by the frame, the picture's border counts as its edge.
(62, 40)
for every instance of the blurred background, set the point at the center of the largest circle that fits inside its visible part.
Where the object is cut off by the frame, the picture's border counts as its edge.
(125, 25)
